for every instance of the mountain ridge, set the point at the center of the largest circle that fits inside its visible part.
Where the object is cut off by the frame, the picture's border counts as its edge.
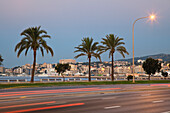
(163, 56)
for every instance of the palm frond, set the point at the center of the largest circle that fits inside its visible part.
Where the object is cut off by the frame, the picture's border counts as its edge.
(46, 36)
(33, 40)
(51, 51)
(81, 54)
(113, 43)
(27, 50)
(20, 50)
(42, 51)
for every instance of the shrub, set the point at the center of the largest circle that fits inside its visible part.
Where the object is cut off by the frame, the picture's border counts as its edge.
(129, 77)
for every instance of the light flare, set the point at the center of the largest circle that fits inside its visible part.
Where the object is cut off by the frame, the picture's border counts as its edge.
(152, 17)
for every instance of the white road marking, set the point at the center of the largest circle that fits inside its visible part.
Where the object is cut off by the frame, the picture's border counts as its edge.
(166, 112)
(158, 101)
(111, 107)
(146, 95)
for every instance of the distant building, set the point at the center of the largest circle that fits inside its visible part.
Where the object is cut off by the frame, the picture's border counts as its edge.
(140, 61)
(28, 65)
(44, 65)
(18, 70)
(2, 70)
(160, 60)
(67, 61)
(138, 69)
(7, 70)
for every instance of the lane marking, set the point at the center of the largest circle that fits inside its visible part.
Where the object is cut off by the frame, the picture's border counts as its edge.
(112, 107)
(158, 101)
(27, 104)
(43, 108)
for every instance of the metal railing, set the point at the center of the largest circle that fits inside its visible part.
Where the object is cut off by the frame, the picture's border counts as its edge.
(78, 79)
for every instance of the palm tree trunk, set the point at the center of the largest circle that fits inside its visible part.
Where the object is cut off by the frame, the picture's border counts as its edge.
(89, 69)
(112, 76)
(33, 71)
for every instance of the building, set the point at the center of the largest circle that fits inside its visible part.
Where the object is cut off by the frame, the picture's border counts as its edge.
(139, 69)
(140, 61)
(8, 70)
(67, 61)
(160, 60)
(18, 70)
(2, 70)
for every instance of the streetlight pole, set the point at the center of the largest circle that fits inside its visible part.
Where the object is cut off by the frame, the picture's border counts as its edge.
(133, 66)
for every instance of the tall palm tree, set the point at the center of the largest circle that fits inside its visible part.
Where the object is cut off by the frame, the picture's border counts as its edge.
(33, 39)
(113, 43)
(89, 49)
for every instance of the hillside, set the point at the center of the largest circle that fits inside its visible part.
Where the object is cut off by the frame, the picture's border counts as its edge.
(165, 57)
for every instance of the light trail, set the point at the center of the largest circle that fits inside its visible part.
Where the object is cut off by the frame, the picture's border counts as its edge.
(44, 108)
(43, 90)
(27, 104)
(55, 91)
(160, 85)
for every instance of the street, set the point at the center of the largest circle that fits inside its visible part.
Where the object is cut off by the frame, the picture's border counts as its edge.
(137, 98)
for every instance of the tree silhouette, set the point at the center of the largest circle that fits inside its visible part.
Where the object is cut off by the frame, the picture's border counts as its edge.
(151, 66)
(61, 68)
(89, 49)
(113, 43)
(34, 40)
(164, 74)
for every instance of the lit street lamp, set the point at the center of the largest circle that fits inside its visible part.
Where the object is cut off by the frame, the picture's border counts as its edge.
(152, 17)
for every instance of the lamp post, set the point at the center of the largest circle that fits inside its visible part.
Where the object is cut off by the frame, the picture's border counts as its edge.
(152, 17)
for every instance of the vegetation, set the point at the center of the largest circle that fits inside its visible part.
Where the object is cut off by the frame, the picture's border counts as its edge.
(113, 43)
(34, 40)
(89, 49)
(18, 85)
(165, 74)
(129, 77)
(151, 66)
(61, 68)
(1, 60)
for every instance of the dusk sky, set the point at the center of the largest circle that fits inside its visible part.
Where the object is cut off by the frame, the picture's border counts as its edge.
(68, 21)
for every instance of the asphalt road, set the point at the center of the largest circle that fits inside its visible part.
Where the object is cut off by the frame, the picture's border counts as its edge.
(141, 98)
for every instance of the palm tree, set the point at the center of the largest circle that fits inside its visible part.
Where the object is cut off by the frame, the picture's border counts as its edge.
(113, 43)
(33, 39)
(89, 49)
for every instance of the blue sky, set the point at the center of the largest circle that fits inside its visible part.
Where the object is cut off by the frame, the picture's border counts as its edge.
(68, 21)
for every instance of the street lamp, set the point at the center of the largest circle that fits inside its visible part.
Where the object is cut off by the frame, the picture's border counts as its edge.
(152, 17)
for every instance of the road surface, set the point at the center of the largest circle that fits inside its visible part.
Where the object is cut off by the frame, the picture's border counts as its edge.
(137, 98)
